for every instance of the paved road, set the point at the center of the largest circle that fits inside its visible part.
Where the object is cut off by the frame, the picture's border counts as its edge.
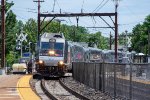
(8, 84)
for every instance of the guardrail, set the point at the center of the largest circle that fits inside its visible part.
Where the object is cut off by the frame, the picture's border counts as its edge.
(128, 81)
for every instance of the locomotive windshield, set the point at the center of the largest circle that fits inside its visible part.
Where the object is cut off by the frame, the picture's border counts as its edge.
(57, 47)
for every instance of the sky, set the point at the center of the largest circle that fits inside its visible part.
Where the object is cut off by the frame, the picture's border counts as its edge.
(130, 12)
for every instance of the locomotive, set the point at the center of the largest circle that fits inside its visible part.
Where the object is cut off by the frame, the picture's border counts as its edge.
(51, 54)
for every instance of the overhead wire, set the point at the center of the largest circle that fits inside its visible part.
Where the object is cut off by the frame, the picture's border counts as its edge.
(130, 23)
(82, 7)
(54, 6)
(98, 6)
(102, 6)
(132, 13)
(58, 4)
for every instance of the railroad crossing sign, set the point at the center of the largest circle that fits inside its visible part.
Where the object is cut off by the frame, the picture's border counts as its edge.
(129, 41)
(20, 39)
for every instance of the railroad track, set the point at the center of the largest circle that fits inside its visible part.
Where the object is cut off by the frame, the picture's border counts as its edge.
(56, 90)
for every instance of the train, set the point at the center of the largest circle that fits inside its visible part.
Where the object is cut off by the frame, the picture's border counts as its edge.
(54, 55)
(51, 54)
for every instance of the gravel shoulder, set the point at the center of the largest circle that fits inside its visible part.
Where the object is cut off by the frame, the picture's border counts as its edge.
(84, 90)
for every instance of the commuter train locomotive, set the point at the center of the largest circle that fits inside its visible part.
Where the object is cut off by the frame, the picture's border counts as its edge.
(51, 54)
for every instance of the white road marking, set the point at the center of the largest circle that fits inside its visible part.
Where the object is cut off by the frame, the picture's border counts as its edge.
(7, 97)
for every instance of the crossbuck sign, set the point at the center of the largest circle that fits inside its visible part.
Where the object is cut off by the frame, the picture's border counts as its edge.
(129, 41)
(22, 37)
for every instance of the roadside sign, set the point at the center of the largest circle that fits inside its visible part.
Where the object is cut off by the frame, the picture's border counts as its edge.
(27, 54)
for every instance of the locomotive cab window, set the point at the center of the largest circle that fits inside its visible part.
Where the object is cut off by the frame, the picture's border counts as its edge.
(57, 47)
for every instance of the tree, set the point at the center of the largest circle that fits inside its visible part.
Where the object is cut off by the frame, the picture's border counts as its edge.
(10, 31)
(140, 36)
(97, 39)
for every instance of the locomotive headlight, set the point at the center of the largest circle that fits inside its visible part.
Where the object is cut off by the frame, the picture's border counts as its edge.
(61, 62)
(40, 62)
(51, 52)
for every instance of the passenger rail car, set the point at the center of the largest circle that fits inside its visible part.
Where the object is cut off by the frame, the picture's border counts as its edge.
(109, 56)
(76, 53)
(95, 55)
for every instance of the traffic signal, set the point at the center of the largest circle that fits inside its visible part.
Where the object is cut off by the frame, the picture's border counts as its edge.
(130, 49)
(18, 45)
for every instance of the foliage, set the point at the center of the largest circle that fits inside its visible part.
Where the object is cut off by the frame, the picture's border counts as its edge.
(97, 39)
(10, 30)
(140, 36)
(11, 58)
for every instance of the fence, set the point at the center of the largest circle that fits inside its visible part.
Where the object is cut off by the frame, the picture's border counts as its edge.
(128, 81)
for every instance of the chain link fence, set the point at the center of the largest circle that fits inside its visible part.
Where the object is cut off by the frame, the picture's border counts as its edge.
(126, 81)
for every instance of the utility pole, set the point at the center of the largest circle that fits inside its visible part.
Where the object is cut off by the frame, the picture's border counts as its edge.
(149, 46)
(110, 43)
(149, 42)
(38, 20)
(116, 40)
(116, 29)
(126, 44)
(3, 33)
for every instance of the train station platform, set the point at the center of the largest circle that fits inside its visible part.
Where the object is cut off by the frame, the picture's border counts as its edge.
(24, 89)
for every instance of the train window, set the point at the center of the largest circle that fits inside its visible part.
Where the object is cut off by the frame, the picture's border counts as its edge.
(47, 45)
(58, 47)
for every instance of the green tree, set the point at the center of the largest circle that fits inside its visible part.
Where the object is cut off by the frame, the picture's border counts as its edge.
(99, 40)
(10, 31)
(140, 36)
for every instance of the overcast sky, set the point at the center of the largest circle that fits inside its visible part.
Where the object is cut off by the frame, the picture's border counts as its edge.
(130, 12)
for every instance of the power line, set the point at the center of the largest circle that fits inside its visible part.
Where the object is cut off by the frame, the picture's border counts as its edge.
(130, 23)
(98, 6)
(58, 4)
(54, 5)
(82, 6)
(102, 5)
